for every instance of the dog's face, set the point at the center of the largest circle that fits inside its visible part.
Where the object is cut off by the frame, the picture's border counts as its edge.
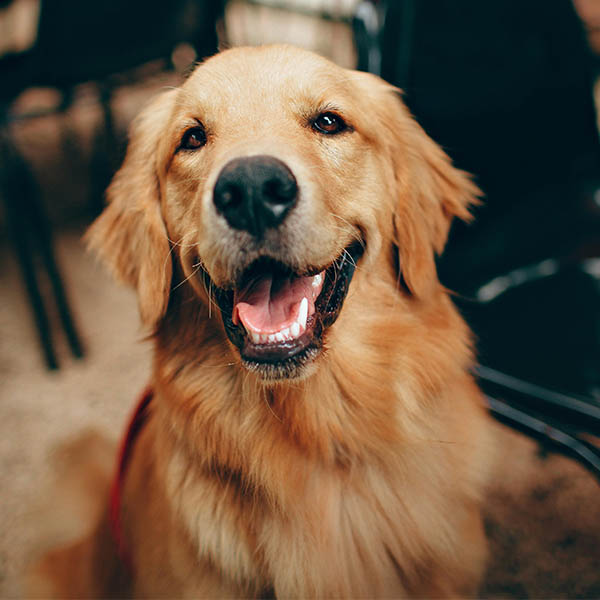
(262, 183)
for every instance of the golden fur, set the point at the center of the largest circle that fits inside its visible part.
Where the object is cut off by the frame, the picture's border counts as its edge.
(361, 477)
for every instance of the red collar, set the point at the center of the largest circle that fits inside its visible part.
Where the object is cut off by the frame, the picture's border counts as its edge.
(135, 426)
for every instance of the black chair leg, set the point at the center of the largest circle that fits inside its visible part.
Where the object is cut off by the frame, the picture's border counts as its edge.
(42, 235)
(29, 230)
(16, 186)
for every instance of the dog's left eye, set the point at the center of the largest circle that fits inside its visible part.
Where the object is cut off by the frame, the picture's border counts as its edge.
(193, 138)
(329, 123)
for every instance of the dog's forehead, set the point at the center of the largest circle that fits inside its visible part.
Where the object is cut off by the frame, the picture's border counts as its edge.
(266, 77)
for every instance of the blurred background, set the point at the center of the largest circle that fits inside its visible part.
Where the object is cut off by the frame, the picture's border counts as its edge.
(508, 87)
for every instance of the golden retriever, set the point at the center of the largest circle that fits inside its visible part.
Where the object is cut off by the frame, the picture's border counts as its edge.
(314, 430)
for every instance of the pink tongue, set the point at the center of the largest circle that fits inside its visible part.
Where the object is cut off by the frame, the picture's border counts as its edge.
(269, 305)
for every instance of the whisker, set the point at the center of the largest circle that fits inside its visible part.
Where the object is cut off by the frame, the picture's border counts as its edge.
(351, 229)
(186, 279)
(342, 219)
(208, 291)
(181, 244)
(350, 258)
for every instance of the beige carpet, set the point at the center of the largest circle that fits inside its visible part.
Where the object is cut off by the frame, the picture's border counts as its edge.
(41, 409)
(544, 513)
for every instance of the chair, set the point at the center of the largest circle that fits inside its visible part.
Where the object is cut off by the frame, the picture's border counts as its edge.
(79, 42)
(506, 88)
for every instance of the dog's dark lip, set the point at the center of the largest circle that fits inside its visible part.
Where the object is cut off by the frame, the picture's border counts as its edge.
(282, 359)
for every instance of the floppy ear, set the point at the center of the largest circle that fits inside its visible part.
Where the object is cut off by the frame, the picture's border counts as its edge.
(430, 193)
(130, 235)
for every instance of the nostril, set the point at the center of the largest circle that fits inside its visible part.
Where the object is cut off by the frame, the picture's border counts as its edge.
(281, 190)
(228, 197)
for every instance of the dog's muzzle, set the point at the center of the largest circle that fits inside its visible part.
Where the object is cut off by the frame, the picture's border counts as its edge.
(275, 314)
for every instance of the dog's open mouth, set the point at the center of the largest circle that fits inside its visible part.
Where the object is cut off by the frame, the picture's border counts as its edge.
(276, 317)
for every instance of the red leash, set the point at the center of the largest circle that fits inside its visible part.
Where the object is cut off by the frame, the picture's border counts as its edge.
(135, 425)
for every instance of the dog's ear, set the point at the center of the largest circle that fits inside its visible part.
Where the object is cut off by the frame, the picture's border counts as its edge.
(430, 192)
(130, 235)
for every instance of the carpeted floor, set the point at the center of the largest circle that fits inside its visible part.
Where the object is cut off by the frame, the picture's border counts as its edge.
(40, 410)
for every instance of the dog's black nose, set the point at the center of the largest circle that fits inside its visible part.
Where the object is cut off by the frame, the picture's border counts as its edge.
(255, 193)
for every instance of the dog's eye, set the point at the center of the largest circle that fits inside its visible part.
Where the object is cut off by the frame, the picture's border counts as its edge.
(193, 138)
(329, 123)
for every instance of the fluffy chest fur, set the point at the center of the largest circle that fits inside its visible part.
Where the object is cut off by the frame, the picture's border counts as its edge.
(328, 530)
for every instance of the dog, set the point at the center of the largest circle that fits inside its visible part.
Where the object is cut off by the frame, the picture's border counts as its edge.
(312, 429)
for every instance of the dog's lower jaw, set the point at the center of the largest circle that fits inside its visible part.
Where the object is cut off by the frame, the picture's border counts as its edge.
(293, 369)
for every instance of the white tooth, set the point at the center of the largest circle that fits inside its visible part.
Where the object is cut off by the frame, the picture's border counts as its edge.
(285, 332)
(264, 338)
(255, 337)
(295, 329)
(271, 338)
(279, 336)
(303, 313)
(316, 282)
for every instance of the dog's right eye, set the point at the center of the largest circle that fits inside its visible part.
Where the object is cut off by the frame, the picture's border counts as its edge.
(193, 138)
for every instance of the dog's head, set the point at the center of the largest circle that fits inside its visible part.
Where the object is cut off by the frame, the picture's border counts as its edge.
(262, 183)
